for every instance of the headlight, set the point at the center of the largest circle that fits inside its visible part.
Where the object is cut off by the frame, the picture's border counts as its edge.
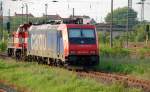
(93, 52)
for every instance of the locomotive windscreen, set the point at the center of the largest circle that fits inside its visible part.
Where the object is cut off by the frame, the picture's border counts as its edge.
(82, 36)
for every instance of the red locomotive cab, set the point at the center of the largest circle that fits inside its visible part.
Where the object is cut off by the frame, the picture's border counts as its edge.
(82, 45)
(83, 41)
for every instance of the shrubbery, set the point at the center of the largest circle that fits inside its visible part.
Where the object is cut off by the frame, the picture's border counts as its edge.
(113, 52)
(3, 46)
(125, 65)
(139, 34)
(3, 41)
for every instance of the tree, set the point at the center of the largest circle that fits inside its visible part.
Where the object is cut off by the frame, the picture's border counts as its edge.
(120, 17)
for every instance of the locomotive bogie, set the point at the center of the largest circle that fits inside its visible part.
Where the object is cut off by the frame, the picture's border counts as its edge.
(83, 60)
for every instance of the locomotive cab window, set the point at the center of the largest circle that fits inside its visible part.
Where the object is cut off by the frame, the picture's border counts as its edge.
(84, 33)
(74, 33)
(82, 36)
(88, 33)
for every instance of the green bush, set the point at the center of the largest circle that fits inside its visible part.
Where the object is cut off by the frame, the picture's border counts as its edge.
(103, 37)
(3, 46)
(113, 52)
(139, 34)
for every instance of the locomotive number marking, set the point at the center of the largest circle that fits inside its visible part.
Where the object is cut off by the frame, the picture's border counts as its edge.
(38, 42)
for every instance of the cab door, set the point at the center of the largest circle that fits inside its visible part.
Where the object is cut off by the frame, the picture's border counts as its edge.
(59, 44)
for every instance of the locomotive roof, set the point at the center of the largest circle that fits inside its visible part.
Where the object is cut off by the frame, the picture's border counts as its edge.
(49, 26)
(44, 26)
(80, 26)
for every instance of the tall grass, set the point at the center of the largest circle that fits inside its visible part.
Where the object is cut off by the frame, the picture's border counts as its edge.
(3, 41)
(3, 46)
(41, 78)
(119, 60)
(126, 65)
(105, 50)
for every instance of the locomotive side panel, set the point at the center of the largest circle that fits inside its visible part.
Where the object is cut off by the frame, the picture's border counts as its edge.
(51, 43)
(36, 42)
(46, 42)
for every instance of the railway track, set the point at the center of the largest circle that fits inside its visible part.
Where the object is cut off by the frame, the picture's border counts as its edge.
(6, 88)
(3, 55)
(123, 79)
(127, 81)
(1, 90)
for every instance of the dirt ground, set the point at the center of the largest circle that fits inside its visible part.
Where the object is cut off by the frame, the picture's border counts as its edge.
(5, 88)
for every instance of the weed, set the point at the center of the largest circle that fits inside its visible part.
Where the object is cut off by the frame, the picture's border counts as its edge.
(41, 78)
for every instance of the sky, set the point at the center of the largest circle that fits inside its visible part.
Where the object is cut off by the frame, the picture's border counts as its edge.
(97, 9)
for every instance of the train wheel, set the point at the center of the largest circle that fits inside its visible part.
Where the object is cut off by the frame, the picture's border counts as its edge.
(18, 55)
(59, 63)
(45, 61)
(34, 58)
(29, 58)
(9, 52)
(55, 62)
(26, 58)
(51, 62)
(39, 60)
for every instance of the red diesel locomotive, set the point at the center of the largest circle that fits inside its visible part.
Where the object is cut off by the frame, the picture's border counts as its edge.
(17, 45)
(71, 44)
